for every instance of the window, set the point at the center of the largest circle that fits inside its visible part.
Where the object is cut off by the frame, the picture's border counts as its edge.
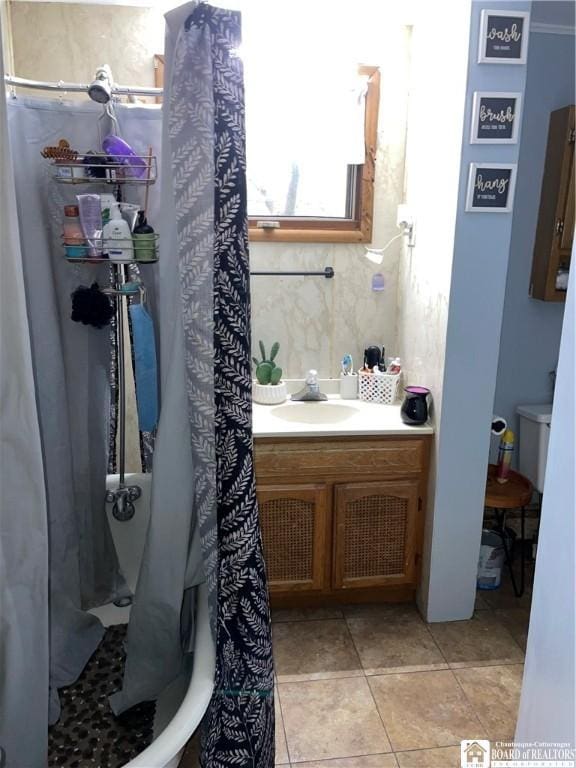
(302, 191)
(305, 191)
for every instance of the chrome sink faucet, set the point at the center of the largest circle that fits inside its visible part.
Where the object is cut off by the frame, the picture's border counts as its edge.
(311, 388)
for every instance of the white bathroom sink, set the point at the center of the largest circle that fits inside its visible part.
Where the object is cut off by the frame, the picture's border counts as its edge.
(314, 412)
(332, 417)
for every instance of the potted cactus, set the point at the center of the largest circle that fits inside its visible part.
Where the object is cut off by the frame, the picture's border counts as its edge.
(269, 389)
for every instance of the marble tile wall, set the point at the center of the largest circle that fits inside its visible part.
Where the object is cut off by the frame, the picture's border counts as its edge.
(7, 57)
(317, 320)
(71, 40)
(421, 327)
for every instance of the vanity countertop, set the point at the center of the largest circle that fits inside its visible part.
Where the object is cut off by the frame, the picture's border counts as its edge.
(333, 417)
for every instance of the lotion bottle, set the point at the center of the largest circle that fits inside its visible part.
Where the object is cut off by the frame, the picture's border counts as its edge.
(117, 238)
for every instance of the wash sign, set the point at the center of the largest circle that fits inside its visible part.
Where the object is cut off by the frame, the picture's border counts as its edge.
(503, 37)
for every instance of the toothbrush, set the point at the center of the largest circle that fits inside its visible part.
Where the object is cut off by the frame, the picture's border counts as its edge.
(347, 365)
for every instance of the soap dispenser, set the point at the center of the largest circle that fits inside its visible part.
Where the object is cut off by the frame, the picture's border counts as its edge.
(117, 238)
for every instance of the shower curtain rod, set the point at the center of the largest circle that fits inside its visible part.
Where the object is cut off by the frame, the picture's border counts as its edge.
(117, 90)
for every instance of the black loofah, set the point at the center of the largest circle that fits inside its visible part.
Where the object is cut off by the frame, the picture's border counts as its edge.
(91, 307)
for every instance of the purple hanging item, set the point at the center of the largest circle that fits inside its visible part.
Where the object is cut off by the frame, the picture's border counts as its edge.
(124, 154)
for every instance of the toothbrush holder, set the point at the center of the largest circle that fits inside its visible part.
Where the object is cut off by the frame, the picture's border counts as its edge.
(349, 386)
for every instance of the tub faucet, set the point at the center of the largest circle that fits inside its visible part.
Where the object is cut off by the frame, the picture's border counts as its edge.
(311, 389)
(122, 501)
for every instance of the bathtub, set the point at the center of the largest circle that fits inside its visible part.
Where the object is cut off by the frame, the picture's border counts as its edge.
(182, 705)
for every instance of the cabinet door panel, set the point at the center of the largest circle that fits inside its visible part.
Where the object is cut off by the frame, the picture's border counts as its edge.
(555, 225)
(568, 214)
(376, 534)
(295, 535)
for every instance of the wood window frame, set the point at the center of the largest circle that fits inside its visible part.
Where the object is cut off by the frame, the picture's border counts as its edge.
(159, 74)
(358, 228)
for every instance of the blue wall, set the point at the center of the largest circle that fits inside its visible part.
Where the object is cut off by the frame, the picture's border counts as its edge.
(480, 262)
(530, 328)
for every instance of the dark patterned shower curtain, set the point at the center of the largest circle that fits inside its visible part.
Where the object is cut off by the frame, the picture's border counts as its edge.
(207, 106)
(203, 488)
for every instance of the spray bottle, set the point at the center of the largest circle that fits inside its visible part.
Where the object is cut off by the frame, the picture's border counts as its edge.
(505, 456)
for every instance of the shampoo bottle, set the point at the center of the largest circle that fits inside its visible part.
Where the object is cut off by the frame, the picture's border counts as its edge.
(117, 238)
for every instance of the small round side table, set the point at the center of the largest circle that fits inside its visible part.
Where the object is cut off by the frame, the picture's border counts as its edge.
(501, 497)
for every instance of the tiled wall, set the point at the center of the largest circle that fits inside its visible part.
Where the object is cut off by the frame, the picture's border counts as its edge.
(317, 320)
(71, 40)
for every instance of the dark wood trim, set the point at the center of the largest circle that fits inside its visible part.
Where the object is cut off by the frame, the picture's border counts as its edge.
(158, 74)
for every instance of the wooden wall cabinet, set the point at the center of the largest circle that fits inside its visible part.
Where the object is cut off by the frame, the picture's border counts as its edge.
(342, 519)
(555, 228)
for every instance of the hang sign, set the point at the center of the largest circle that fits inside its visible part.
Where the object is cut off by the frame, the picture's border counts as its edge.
(491, 187)
(495, 118)
(503, 37)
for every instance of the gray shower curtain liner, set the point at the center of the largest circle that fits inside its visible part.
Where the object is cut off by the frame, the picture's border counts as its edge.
(23, 519)
(204, 521)
(71, 365)
(71, 381)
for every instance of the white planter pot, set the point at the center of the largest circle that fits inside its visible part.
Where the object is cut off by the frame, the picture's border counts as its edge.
(269, 394)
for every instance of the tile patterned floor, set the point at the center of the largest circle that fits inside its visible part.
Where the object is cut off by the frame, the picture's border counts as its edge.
(377, 687)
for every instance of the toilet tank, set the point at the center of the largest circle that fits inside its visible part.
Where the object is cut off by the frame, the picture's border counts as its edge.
(533, 441)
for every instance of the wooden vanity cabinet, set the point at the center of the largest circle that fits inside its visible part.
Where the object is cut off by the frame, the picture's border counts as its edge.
(555, 228)
(342, 518)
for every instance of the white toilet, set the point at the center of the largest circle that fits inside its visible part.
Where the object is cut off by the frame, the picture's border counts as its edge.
(533, 442)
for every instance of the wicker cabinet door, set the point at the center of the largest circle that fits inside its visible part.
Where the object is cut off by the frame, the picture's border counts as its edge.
(295, 533)
(375, 536)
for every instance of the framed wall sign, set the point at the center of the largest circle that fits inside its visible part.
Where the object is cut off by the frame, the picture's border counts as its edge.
(503, 37)
(491, 187)
(495, 117)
